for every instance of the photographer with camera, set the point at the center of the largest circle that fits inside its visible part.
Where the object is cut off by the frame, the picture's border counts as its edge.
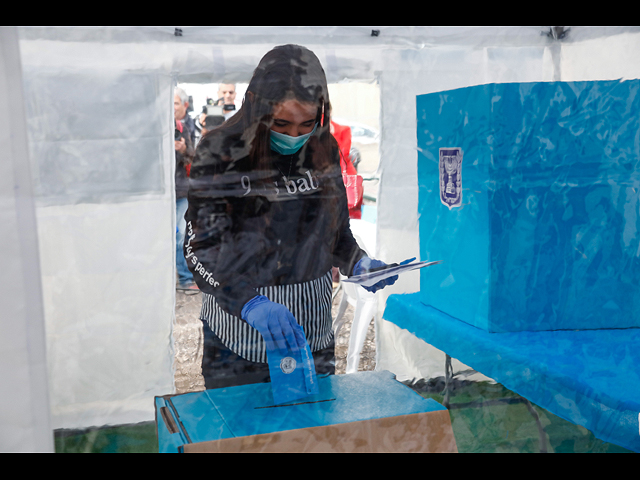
(226, 99)
(210, 117)
(185, 151)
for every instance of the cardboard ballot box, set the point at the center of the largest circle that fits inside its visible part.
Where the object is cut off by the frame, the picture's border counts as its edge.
(530, 195)
(360, 412)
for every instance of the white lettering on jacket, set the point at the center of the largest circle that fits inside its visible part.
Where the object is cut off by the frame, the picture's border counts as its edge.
(302, 185)
(206, 275)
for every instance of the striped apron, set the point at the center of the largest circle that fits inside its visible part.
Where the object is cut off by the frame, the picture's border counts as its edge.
(309, 302)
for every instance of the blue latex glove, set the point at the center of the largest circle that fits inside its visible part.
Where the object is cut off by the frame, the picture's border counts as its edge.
(366, 265)
(291, 366)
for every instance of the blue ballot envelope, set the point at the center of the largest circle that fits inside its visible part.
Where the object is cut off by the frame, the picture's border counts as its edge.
(293, 377)
(361, 412)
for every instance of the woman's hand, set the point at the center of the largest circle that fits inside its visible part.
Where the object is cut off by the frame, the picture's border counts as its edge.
(276, 324)
(282, 334)
(366, 265)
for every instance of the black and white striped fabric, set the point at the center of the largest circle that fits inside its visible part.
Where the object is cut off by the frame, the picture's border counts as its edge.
(309, 302)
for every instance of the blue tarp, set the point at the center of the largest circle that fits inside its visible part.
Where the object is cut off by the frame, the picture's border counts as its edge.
(588, 377)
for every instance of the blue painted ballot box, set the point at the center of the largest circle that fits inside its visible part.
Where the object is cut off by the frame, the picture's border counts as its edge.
(529, 194)
(360, 412)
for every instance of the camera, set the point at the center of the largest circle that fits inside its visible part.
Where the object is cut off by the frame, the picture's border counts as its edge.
(212, 110)
(177, 135)
(219, 103)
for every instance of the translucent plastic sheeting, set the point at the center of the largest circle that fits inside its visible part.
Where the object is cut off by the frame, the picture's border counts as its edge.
(405, 76)
(113, 136)
(100, 150)
(101, 153)
(584, 54)
(588, 377)
(24, 406)
(105, 220)
(529, 195)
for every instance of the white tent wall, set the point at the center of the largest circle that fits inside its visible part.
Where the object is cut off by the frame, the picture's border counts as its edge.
(101, 145)
(99, 118)
(24, 404)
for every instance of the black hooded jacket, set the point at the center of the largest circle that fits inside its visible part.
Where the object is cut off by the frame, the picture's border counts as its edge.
(250, 228)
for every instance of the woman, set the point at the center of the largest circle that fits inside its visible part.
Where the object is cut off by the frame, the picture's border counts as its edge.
(267, 220)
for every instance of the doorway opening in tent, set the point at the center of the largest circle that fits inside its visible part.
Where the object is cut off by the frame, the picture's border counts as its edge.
(357, 105)
(354, 104)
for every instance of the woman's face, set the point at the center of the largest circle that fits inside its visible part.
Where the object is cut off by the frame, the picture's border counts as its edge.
(294, 118)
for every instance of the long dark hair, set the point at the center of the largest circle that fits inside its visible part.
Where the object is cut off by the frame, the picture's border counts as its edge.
(286, 72)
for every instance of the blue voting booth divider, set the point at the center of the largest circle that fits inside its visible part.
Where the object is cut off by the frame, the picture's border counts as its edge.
(530, 195)
(360, 412)
(546, 232)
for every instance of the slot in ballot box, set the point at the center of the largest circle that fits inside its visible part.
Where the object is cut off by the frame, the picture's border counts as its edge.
(360, 412)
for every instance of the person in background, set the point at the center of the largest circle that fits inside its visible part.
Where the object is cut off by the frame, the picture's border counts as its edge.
(184, 148)
(180, 108)
(342, 134)
(211, 117)
(227, 99)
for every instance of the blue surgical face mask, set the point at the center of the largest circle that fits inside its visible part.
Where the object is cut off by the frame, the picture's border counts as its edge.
(288, 145)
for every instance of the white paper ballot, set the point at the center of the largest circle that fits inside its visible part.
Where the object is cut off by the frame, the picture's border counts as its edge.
(371, 278)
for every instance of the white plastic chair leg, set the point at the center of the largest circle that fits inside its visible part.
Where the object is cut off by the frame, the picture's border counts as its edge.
(365, 310)
(339, 321)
